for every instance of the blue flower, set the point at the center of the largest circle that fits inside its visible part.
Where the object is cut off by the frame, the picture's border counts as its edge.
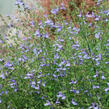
(102, 76)
(0, 101)
(59, 28)
(74, 103)
(60, 95)
(107, 89)
(90, 15)
(37, 33)
(97, 35)
(29, 76)
(19, 2)
(2, 75)
(8, 65)
(35, 51)
(46, 35)
(68, 64)
(57, 101)
(1, 41)
(32, 23)
(80, 15)
(96, 87)
(97, 18)
(47, 103)
(62, 6)
(54, 11)
(99, 56)
(96, 75)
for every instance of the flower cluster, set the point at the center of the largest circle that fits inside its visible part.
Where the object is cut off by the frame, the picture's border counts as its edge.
(70, 71)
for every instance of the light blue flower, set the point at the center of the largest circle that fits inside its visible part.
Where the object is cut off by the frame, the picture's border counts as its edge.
(74, 103)
(55, 11)
(97, 35)
(47, 103)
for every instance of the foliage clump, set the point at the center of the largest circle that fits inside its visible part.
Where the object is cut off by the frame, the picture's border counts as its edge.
(59, 63)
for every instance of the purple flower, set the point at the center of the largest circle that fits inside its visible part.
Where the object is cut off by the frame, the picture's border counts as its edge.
(49, 22)
(2, 75)
(80, 15)
(74, 103)
(43, 84)
(47, 103)
(106, 20)
(85, 91)
(77, 91)
(94, 106)
(99, 56)
(1, 41)
(62, 6)
(15, 90)
(26, 6)
(54, 11)
(59, 28)
(96, 74)
(56, 56)
(59, 46)
(66, 23)
(6, 92)
(59, 94)
(33, 82)
(106, 62)
(46, 35)
(107, 44)
(32, 23)
(41, 25)
(40, 50)
(25, 58)
(102, 76)
(19, 2)
(74, 91)
(86, 56)
(73, 82)
(42, 64)
(45, 15)
(97, 35)
(33, 86)
(29, 76)
(39, 82)
(90, 15)
(62, 63)
(98, 2)
(57, 101)
(76, 46)
(61, 40)
(34, 50)
(1, 60)
(68, 64)
(106, 12)
(13, 84)
(0, 101)
(37, 33)
(108, 84)
(21, 59)
(7, 64)
(55, 76)
(62, 96)
(97, 18)
(107, 89)
(95, 87)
